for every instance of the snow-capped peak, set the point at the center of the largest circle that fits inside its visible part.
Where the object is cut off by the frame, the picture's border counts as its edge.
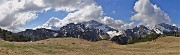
(98, 25)
(164, 28)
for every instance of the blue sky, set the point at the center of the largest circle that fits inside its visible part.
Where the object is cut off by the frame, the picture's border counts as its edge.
(43, 17)
(124, 8)
(118, 9)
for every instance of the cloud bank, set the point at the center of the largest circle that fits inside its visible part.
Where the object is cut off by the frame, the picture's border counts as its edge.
(149, 14)
(52, 23)
(12, 17)
(16, 13)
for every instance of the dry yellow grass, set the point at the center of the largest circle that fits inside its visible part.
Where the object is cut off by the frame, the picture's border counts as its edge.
(72, 46)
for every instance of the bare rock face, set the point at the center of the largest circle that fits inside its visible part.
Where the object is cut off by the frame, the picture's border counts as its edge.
(87, 30)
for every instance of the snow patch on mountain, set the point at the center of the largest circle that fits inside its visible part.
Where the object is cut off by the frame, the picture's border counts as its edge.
(103, 27)
(114, 33)
(98, 25)
(157, 31)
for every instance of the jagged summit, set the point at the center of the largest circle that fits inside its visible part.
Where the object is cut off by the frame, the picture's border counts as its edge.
(164, 28)
(138, 30)
(81, 31)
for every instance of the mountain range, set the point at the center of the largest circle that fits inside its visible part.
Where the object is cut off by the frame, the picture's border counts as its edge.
(93, 31)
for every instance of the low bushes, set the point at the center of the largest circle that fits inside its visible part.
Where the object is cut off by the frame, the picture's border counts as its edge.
(144, 38)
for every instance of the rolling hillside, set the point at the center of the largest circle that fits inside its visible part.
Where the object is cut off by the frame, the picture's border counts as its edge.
(72, 46)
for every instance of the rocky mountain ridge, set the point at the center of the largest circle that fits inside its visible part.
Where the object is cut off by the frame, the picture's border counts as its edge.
(92, 31)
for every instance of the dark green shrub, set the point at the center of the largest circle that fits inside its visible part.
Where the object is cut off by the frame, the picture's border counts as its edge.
(144, 38)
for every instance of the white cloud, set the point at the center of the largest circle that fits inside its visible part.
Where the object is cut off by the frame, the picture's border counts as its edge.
(67, 5)
(39, 3)
(51, 23)
(14, 13)
(127, 26)
(116, 24)
(90, 12)
(11, 19)
(107, 20)
(149, 14)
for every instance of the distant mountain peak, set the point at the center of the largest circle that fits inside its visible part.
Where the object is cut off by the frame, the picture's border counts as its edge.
(98, 25)
(94, 30)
